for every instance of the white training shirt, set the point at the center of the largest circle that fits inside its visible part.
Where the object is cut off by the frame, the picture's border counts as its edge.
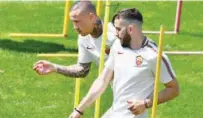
(90, 47)
(134, 76)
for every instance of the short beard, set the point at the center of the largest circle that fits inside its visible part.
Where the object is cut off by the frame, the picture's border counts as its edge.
(126, 40)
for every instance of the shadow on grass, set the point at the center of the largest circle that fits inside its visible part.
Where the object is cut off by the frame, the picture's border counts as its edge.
(193, 34)
(33, 46)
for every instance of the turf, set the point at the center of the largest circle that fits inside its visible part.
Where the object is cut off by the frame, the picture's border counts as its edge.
(24, 94)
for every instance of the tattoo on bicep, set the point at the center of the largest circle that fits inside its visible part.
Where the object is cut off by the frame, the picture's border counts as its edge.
(77, 70)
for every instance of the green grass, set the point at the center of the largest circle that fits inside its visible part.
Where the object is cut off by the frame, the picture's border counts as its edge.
(24, 94)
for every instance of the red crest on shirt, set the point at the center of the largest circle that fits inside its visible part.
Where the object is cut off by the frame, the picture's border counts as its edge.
(139, 60)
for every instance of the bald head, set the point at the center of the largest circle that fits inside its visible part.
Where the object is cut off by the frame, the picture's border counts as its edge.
(83, 16)
(84, 6)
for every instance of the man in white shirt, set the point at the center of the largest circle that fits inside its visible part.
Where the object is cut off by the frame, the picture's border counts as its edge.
(131, 67)
(90, 29)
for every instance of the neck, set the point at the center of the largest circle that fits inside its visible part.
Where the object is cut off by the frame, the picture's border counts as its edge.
(97, 30)
(136, 42)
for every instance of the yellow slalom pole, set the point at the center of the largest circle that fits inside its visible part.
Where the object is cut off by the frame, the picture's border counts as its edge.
(57, 55)
(99, 7)
(77, 92)
(157, 76)
(38, 35)
(66, 18)
(102, 53)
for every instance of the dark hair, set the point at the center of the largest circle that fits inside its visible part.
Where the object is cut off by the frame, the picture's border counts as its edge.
(128, 14)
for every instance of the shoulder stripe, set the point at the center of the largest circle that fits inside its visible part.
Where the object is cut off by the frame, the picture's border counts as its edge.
(165, 62)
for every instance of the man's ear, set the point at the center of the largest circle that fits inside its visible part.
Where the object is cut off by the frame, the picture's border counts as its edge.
(91, 16)
(130, 29)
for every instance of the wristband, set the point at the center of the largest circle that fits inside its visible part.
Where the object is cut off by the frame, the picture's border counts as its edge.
(81, 113)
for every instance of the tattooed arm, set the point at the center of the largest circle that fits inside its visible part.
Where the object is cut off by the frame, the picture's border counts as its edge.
(77, 70)
(44, 67)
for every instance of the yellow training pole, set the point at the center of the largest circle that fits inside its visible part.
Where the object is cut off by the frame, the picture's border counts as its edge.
(157, 76)
(45, 35)
(40, 35)
(66, 18)
(77, 92)
(57, 55)
(99, 7)
(102, 53)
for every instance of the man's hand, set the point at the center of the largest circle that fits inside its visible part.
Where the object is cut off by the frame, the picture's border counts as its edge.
(75, 114)
(137, 107)
(43, 67)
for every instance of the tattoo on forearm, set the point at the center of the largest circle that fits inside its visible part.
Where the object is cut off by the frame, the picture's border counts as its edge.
(77, 70)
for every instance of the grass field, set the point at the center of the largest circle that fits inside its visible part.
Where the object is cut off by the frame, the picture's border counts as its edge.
(24, 94)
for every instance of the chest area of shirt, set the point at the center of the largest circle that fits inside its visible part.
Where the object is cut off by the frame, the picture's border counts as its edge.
(94, 47)
(125, 61)
(131, 68)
